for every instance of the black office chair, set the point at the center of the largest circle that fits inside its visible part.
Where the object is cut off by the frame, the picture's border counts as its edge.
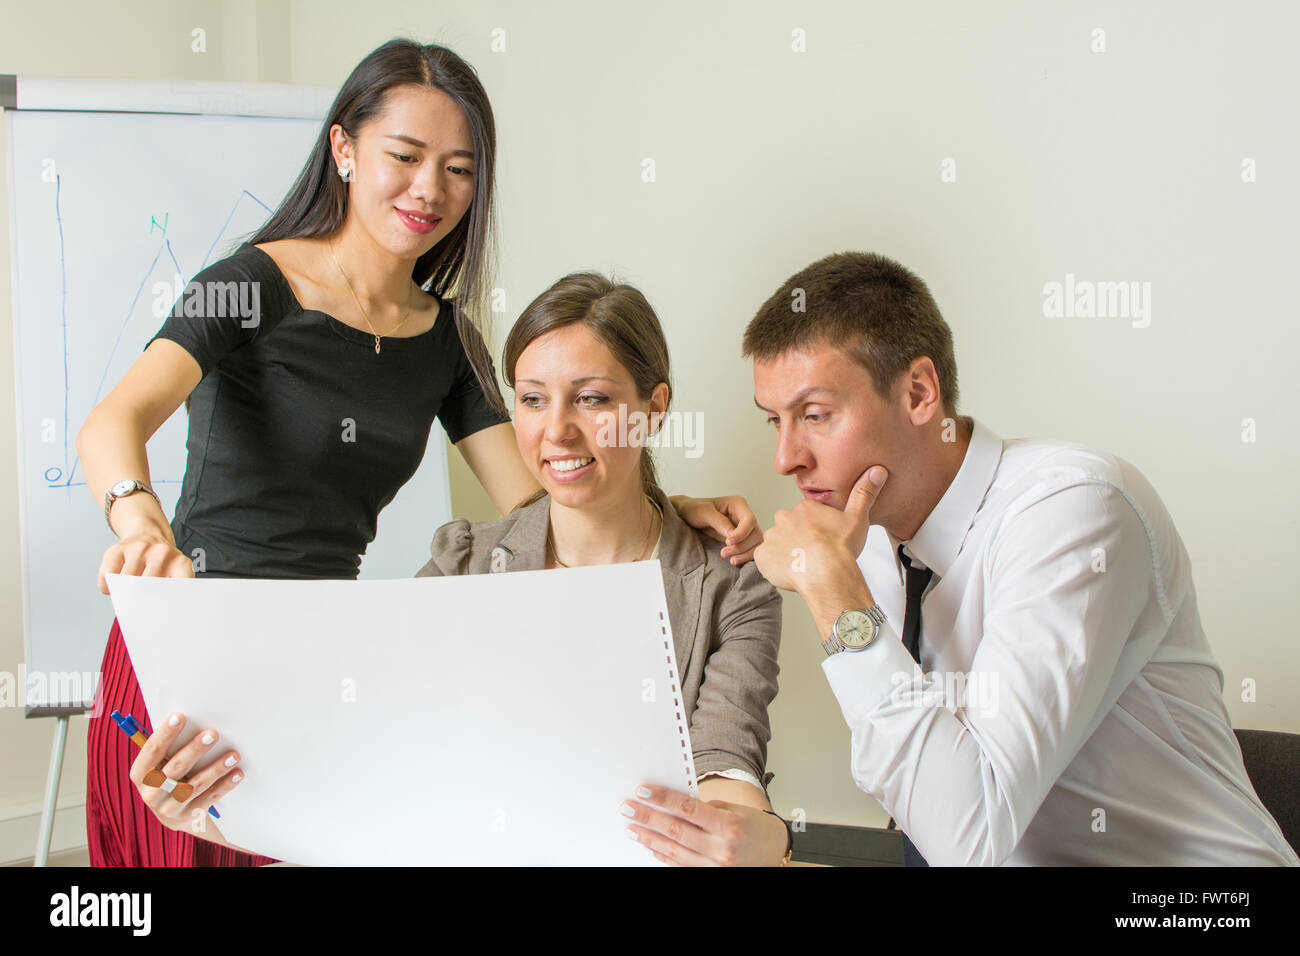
(1272, 762)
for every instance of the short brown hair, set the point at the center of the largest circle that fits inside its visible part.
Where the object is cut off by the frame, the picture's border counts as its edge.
(878, 312)
(620, 317)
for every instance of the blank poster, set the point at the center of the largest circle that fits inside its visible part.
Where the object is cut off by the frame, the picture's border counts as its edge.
(481, 719)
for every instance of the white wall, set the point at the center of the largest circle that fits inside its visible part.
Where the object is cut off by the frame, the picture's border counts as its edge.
(1122, 165)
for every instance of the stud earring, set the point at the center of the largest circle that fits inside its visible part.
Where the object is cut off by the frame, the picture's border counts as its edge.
(345, 173)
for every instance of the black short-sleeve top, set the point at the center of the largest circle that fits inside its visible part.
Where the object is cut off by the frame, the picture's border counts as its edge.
(299, 433)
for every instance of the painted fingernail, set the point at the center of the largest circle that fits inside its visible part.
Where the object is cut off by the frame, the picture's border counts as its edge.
(643, 791)
(632, 834)
(627, 810)
(208, 738)
(236, 778)
(231, 760)
(173, 720)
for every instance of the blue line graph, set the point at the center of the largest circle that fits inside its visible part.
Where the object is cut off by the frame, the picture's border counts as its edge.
(63, 310)
(53, 475)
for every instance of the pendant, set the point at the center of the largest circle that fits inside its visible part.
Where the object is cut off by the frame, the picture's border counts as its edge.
(376, 345)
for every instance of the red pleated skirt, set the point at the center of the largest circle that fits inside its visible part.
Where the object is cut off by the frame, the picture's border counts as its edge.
(120, 829)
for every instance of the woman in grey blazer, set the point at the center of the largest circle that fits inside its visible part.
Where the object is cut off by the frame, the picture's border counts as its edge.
(589, 365)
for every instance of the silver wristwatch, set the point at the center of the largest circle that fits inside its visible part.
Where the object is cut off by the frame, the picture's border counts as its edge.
(854, 629)
(120, 490)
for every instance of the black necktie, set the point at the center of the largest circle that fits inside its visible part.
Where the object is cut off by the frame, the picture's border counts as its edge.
(917, 580)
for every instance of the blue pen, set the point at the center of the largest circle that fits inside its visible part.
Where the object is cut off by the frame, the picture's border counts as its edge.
(136, 733)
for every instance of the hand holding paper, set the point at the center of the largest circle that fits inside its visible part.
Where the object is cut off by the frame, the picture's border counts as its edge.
(161, 789)
(684, 830)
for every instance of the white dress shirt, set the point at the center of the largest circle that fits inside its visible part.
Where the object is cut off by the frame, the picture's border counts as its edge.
(1070, 710)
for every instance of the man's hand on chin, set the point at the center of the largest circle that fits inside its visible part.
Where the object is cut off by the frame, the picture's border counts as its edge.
(813, 549)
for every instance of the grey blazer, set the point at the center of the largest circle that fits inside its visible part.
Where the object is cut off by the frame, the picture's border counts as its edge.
(726, 623)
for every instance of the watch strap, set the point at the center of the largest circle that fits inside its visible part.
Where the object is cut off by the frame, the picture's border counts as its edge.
(110, 497)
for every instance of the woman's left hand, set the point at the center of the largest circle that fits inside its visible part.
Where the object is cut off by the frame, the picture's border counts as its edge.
(728, 519)
(684, 831)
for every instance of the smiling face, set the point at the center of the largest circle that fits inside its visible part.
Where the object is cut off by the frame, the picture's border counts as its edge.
(414, 159)
(831, 426)
(568, 391)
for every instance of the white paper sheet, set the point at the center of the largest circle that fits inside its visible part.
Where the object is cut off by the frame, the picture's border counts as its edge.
(473, 720)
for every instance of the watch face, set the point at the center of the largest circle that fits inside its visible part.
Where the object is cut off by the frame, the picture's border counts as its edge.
(855, 629)
(122, 487)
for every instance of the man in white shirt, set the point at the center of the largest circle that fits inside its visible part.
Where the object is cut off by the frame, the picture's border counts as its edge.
(1067, 708)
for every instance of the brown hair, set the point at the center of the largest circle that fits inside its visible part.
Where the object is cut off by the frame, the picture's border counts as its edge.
(620, 317)
(879, 313)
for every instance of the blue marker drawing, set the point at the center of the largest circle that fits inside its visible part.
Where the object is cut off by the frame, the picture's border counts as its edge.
(63, 310)
(53, 474)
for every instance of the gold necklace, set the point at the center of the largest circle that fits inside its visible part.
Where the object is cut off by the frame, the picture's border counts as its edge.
(407, 315)
(550, 545)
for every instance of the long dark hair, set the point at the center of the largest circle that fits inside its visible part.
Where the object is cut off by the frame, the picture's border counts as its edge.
(462, 262)
(618, 315)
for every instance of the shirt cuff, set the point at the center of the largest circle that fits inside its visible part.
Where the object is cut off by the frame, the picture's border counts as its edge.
(744, 775)
(862, 679)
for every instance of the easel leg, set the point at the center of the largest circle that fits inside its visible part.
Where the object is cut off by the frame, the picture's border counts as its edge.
(51, 792)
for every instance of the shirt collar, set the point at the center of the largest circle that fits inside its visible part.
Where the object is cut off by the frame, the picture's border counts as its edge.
(938, 541)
